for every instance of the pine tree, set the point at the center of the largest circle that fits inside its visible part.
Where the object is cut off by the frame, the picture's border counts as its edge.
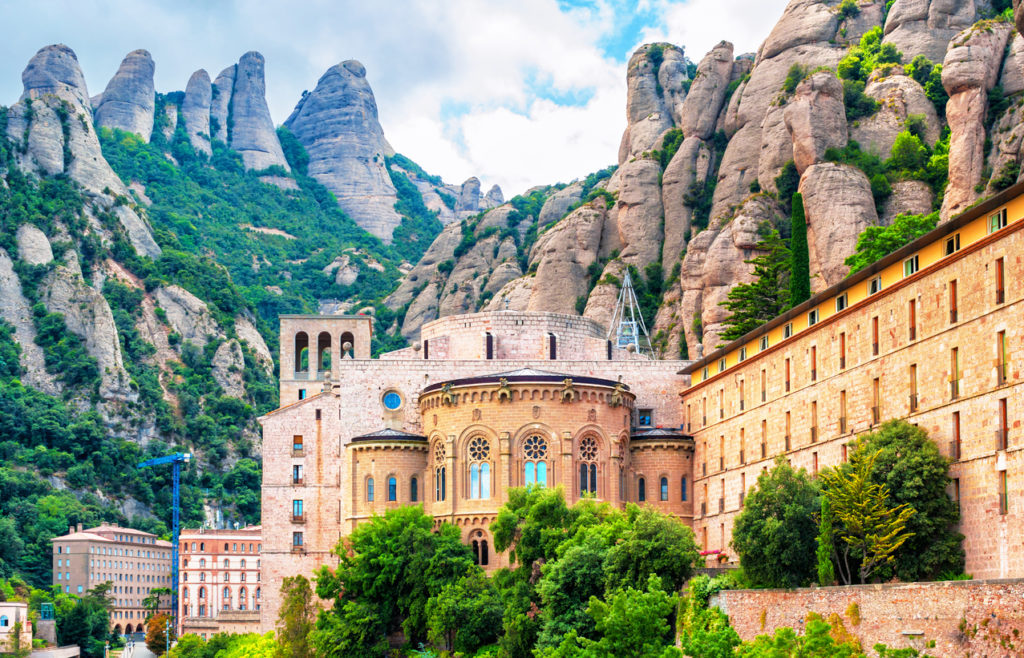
(800, 270)
(753, 304)
(826, 540)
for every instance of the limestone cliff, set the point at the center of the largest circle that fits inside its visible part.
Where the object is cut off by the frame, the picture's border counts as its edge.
(129, 99)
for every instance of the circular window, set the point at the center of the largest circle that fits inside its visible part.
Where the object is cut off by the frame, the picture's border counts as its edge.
(535, 447)
(588, 449)
(392, 400)
(479, 448)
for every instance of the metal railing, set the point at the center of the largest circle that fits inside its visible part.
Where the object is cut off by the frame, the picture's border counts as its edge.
(874, 349)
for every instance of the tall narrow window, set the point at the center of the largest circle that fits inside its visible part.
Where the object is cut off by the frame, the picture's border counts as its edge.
(641, 490)
(664, 489)
(876, 401)
(535, 469)
(1002, 363)
(414, 489)
(369, 490)
(743, 445)
(814, 421)
(1001, 432)
(814, 458)
(764, 439)
(426, 350)
(297, 474)
(1000, 282)
(721, 403)
(912, 319)
(952, 302)
(954, 373)
(787, 375)
(956, 493)
(913, 387)
(842, 412)
(814, 363)
(489, 345)
(392, 489)
(440, 475)
(296, 510)
(743, 396)
(682, 489)
(789, 427)
(721, 452)
(484, 553)
(552, 347)
(1004, 493)
(479, 468)
(588, 454)
(954, 448)
(842, 350)
(764, 386)
(874, 336)
(743, 488)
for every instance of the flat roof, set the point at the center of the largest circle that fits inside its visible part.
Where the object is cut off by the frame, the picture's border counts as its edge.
(317, 316)
(864, 274)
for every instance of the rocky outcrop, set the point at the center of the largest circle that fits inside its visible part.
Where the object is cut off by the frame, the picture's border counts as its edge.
(87, 314)
(563, 255)
(558, 204)
(247, 331)
(699, 110)
(654, 96)
(909, 197)
(494, 196)
(839, 206)
(343, 270)
(337, 124)
(187, 314)
(128, 101)
(220, 102)
(899, 97)
(690, 166)
(55, 70)
(16, 310)
(33, 246)
(195, 110)
(228, 366)
(803, 22)
(252, 130)
(469, 196)
(970, 69)
(639, 213)
(925, 27)
(816, 119)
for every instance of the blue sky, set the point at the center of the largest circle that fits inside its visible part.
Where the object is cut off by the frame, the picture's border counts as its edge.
(516, 92)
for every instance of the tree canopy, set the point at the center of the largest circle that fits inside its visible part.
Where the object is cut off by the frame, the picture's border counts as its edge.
(752, 304)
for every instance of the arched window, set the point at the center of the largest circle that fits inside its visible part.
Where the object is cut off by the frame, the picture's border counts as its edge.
(588, 465)
(481, 554)
(683, 493)
(301, 352)
(184, 591)
(392, 489)
(439, 472)
(664, 488)
(535, 470)
(348, 338)
(323, 351)
(202, 563)
(479, 468)
(226, 563)
(243, 560)
(369, 489)
(202, 577)
(641, 490)
(414, 494)
(227, 593)
(4, 621)
(241, 599)
(202, 592)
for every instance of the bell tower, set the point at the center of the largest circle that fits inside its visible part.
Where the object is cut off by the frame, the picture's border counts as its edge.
(316, 349)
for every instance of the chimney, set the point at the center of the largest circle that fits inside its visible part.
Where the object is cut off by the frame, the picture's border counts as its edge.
(79, 527)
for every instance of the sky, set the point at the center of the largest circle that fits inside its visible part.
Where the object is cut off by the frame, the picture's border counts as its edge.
(518, 93)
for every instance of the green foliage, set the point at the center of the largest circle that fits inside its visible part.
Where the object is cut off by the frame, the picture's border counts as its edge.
(800, 265)
(909, 154)
(420, 226)
(775, 533)
(929, 76)
(669, 145)
(876, 242)
(786, 184)
(705, 631)
(998, 101)
(390, 567)
(752, 304)
(700, 195)
(87, 622)
(797, 72)
(413, 168)
(910, 466)
(858, 104)
(815, 643)
(826, 542)
(158, 628)
(294, 152)
(868, 528)
(466, 614)
(1007, 176)
(655, 543)
(296, 617)
(631, 623)
(847, 9)
(868, 55)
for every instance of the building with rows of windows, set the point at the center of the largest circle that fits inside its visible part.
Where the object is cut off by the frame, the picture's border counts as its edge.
(220, 580)
(932, 333)
(482, 403)
(132, 561)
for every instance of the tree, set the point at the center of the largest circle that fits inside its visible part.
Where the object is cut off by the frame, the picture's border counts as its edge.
(752, 304)
(909, 154)
(910, 465)
(631, 623)
(465, 615)
(775, 533)
(157, 633)
(655, 543)
(86, 622)
(815, 643)
(870, 530)
(826, 545)
(389, 568)
(531, 525)
(876, 242)
(566, 587)
(296, 618)
(151, 602)
(800, 267)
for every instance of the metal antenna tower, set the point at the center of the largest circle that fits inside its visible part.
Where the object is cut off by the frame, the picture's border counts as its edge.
(627, 323)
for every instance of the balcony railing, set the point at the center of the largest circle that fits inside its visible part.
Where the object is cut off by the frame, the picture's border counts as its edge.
(743, 495)
(952, 316)
(298, 482)
(298, 452)
(721, 413)
(814, 374)
(1002, 373)
(842, 362)
(742, 404)
(704, 468)
(298, 518)
(721, 463)
(764, 395)
(1001, 438)
(913, 401)
(703, 509)
(704, 420)
(1000, 296)
(954, 450)
(298, 548)
(787, 386)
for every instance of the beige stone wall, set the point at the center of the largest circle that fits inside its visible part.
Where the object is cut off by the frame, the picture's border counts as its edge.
(722, 422)
(653, 460)
(962, 618)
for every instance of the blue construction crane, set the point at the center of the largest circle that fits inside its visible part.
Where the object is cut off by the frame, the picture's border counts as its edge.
(175, 460)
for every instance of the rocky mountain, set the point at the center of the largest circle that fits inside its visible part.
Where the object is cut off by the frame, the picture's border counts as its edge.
(712, 151)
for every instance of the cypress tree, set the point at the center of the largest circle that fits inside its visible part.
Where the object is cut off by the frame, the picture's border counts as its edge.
(752, 304)
(800, 271)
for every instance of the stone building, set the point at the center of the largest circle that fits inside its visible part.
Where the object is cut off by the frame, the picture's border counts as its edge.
(931, 333)
(15, 627)
(484, 402)
(132, 561)
(220, 580)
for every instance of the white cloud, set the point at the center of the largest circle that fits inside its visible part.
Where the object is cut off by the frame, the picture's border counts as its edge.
(463, 87)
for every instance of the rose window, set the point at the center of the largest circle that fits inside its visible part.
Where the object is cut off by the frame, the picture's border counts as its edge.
(535, 447)
(588, 449)
(479, 449)
(439, 452)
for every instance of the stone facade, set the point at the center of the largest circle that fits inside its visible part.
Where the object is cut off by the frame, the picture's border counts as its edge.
(220, 580)
(961, 617)
(482, 389)
(132, 561)
(14, 618)
(937, 342)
